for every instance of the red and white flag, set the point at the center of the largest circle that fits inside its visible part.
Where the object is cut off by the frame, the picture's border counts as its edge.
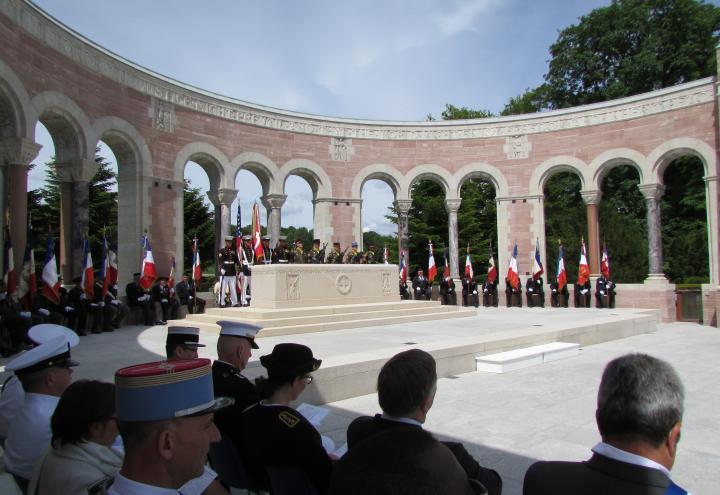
(385, 255)
(513, 275)
(432, 269)
(197, 269)
(492, 270)
(446, 272)
(88, 275)
(605, 264)
(147, 272)
(468, 265)
(50, 278)
(561, 273)
(584, 268)
(171, 277)
(403, 268)
(256, 235)
(27, 285)
(9, 275)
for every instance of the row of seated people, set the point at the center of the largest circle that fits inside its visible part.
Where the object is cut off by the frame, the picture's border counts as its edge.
(160, 294)
(165, 418)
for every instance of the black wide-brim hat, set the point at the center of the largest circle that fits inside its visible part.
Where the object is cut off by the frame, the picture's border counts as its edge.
(290, 360)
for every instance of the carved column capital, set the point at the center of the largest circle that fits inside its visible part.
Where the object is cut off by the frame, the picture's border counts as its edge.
(273, 201)
(82, 170)
(18, 151)
(452, 205)
(652, 191)
(591, 197)
(222, 196)
(402, 206)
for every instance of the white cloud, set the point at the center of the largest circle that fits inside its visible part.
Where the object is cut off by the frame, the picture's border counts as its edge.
(462, 15)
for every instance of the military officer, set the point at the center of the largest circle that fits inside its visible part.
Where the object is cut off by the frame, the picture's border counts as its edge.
(447, 291)
(245, 269)
(470, 292)
(353, 257)
(604, 287)
(315, 256)
(182, 343)
(227, 261)
(267, 251)
(136, 297)
(555, 295)
(281, 253)
(299, 252)
(582, 294)
(421, 286)
(369, 256)
(335, 255)
(490, 293)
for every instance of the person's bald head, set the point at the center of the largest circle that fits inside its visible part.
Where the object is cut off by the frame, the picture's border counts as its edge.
(234, 350)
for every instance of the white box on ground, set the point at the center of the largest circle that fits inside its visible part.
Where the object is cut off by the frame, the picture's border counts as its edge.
(528, 356)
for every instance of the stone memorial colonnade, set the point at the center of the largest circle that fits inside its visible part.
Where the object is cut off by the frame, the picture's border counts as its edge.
(82, 93)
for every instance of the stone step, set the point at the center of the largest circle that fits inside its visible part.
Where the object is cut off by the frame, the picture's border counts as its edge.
(352, 320)
(527, 356)
(267, 313)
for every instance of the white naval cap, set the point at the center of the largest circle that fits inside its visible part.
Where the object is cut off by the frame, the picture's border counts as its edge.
(229, 238)
(47, 331)
(54, 352)
(188, 336)
(239, 329)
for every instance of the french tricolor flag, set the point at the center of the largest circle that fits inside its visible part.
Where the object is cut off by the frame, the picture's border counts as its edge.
(513, 275)
(432, 269)
(147, 273)
(50, 278)
(88, 277)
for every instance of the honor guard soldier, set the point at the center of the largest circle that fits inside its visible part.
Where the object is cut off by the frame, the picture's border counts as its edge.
(353, 257)
(315, 256)
(335, 256)
(45, 372)
(369, 257)
(534, 292)
(136, 297)
(298, 253)
(447, 291)
(182, 343)
(556, 294)
(227, 261)
(470, 292)
(267, 251)
(164, 413)
(421, 286)
(245, 269)
(582, 294)
(490, 293)
(605, 292)
(281, 253)
(513, 295)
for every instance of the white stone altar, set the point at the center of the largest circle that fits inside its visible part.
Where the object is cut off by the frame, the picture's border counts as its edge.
(293, 286)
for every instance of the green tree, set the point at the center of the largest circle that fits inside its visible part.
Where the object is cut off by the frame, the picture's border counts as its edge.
(199, 222)
(531, 101)
(565, 222)
(427, 221)
(477, 224)
(452, 112)
(380, 241)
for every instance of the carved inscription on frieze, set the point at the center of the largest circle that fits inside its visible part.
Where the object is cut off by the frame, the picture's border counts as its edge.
(517, 147)
(163, 115)
(293, 286)
(341, 149)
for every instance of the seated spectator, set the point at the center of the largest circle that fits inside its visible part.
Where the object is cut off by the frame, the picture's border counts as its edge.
(186, 294)
(274, 433)
(447, 291)
(83, 430)
(404, 292)
(406, 389)
(168, 304)
(490, 293)
(401, 460)
(513, 295)
(639, 416)
(78, 301)
(469, 292)
(559, 298)
(422, 288)
(605, 288)
(138, 297)
(15, 320)
(120, 310)
(582, 295)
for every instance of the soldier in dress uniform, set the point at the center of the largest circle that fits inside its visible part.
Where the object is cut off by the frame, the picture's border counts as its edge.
(246, 269)
(136, 297)
(447, 291)
(315, 255)
(45, 372)
(165, 418)
(182, 343)
(227, 262)
(274, 433)
(555, 295)
(353, 257)
(298, 252)
(534, 286)
(604, 287)
(421, 286)
(267, 251)
(582, 294)
(370, 257)
(335, 256)
(490, 293)
(470, 292)
(281, 253)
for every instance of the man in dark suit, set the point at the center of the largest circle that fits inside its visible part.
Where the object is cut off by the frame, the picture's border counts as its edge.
(139, 297)
(186, 294)
(406, 389)
(604, 288)
(421, 286)
(639, 415)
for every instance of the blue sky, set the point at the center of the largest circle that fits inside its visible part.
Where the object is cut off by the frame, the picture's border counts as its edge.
(389, 59)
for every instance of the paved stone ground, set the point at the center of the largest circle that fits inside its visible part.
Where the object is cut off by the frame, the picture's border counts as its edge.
(546, 412)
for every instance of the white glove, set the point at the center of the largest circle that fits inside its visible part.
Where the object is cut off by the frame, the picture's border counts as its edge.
(602, 293)
(474, 292)
(190, 298)
(418, 289)
(93, 305)
(163, 300)
(101, 304)
(83, 296)
(115, 287)
(584, 291)
(114, 302)
(529, 289)
(25, 314)
(222, 271)
(486, 290)
(44, 311)
(554, 290)
(69, 308)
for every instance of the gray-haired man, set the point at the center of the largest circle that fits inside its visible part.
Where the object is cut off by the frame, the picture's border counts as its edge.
(639, 415)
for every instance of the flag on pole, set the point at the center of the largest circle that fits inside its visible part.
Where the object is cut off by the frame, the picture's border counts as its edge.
(538, 269)
(432, 269)
(256, 235)
(88, 276)
(147, 272)
(605, 263)
(9, 275)
(469, 274)
(584, 268)
(385, 255)
(197, 270)
(171, 277)
(50, 278)
(446, 272)
(513, 275)
(403, 268)
(112, 267)
(105, 267)
(27, 285)
(492, 271)
(561, 274)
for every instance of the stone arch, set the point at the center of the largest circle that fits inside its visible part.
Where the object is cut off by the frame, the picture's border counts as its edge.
(313, 173)
(15, 105)
(609, 159)
(434, 173)
(483, 171)
(659, 158)
(126, 142)
(555, 165)
(212, 160)
(70, 129)
(261, 166)
(386, 173)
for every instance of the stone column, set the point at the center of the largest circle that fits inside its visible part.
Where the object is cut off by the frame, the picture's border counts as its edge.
(713, 226)
(592, 202)
(322, 221)
(273, 204)
(222, 199)
(653, 193)
(452, 206)
(402, 207)
(15, 156)
(74, 177)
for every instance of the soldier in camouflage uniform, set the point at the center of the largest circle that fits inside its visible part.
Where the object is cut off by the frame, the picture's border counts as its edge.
(335, 255)
(353, 257)
(298, 252)
(369, 257)
(315, 254)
